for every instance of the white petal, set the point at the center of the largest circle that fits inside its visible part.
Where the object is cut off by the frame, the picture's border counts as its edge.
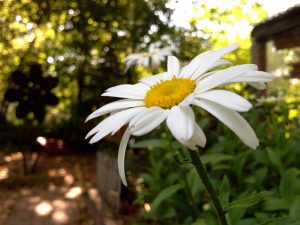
(187, 101)
(198, 139)
(173, 66)
(168, 50)
(112, 123)
(164, 52)
(205, 75)
(205, 61)
(143, 61)
(145, 123)
(231, 119)
(129, 63)
(121, 155)
(219, 62)
(155, 60)
(253, 76)
(136, 91)
(151, 80)
(132, 57)
(227, 99)
(258, 85)
(181, 122)
(222, 76)
(152, 47)
(144, 113)
(115, 106)
(188, 70)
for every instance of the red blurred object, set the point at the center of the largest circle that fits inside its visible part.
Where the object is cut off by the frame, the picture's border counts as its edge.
(53, 146)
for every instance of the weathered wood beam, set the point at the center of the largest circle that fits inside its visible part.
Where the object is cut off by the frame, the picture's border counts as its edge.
(258, 53)
(286, 21)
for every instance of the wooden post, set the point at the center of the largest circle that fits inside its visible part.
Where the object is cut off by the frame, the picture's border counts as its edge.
(258, 53)
(108, 180)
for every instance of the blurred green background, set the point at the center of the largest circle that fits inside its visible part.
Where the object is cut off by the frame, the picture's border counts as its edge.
(80, 47)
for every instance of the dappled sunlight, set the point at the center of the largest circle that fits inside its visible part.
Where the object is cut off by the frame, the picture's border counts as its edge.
(73, 192)
(49, 195)
(44, 208)
(25, 192)
(35, 199)
(147, 207)
(57, 172)
(4, 173)
(60, 216)
(59, 210)
(60, 204)
(69, 179)
(16, 156)
(41, 140)
(52, 173)
(62, 175)
(62, 172)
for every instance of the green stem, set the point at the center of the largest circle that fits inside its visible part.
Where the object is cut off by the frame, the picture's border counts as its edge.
(208, 185)
(187, 188)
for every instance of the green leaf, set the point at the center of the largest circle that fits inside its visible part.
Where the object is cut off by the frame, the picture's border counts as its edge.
(274, 204)
(247, 221)
(164, 194)
(147, 178)
(215, 158)
(151, 143)
(275, 160)
(295, 207)
(199, 221)
(247, 202)
(239, 163)
(261, 216)
(287, 220)
(196, 187)
(260, 175)
(225, 191)
(236, 214)
(289, 183)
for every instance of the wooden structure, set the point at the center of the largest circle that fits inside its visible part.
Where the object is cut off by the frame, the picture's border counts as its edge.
(108, 179)
(104, 201)
(283, 30)
(100, 212)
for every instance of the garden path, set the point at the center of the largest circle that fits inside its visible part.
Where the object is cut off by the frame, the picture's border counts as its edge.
(54, 195)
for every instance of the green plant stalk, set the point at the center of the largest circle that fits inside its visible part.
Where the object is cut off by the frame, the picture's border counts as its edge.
(208, 185)
(187, 187)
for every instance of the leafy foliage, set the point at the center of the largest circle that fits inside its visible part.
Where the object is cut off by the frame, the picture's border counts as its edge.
(255, 186)
(32, 92)
(83, 44)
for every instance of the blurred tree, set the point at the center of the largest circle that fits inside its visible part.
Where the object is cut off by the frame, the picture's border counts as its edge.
(82, 43)
(32, 91)
(222, 23)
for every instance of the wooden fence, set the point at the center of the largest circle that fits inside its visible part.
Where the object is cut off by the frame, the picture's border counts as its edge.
(108, 180)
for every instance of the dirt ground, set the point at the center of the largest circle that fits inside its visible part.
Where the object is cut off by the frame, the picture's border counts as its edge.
(54, 194)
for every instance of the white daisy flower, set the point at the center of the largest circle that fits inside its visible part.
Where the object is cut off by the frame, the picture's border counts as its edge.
(169, 96)
(154, 56)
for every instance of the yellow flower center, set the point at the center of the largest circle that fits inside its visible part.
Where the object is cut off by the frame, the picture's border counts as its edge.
(168, 93)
